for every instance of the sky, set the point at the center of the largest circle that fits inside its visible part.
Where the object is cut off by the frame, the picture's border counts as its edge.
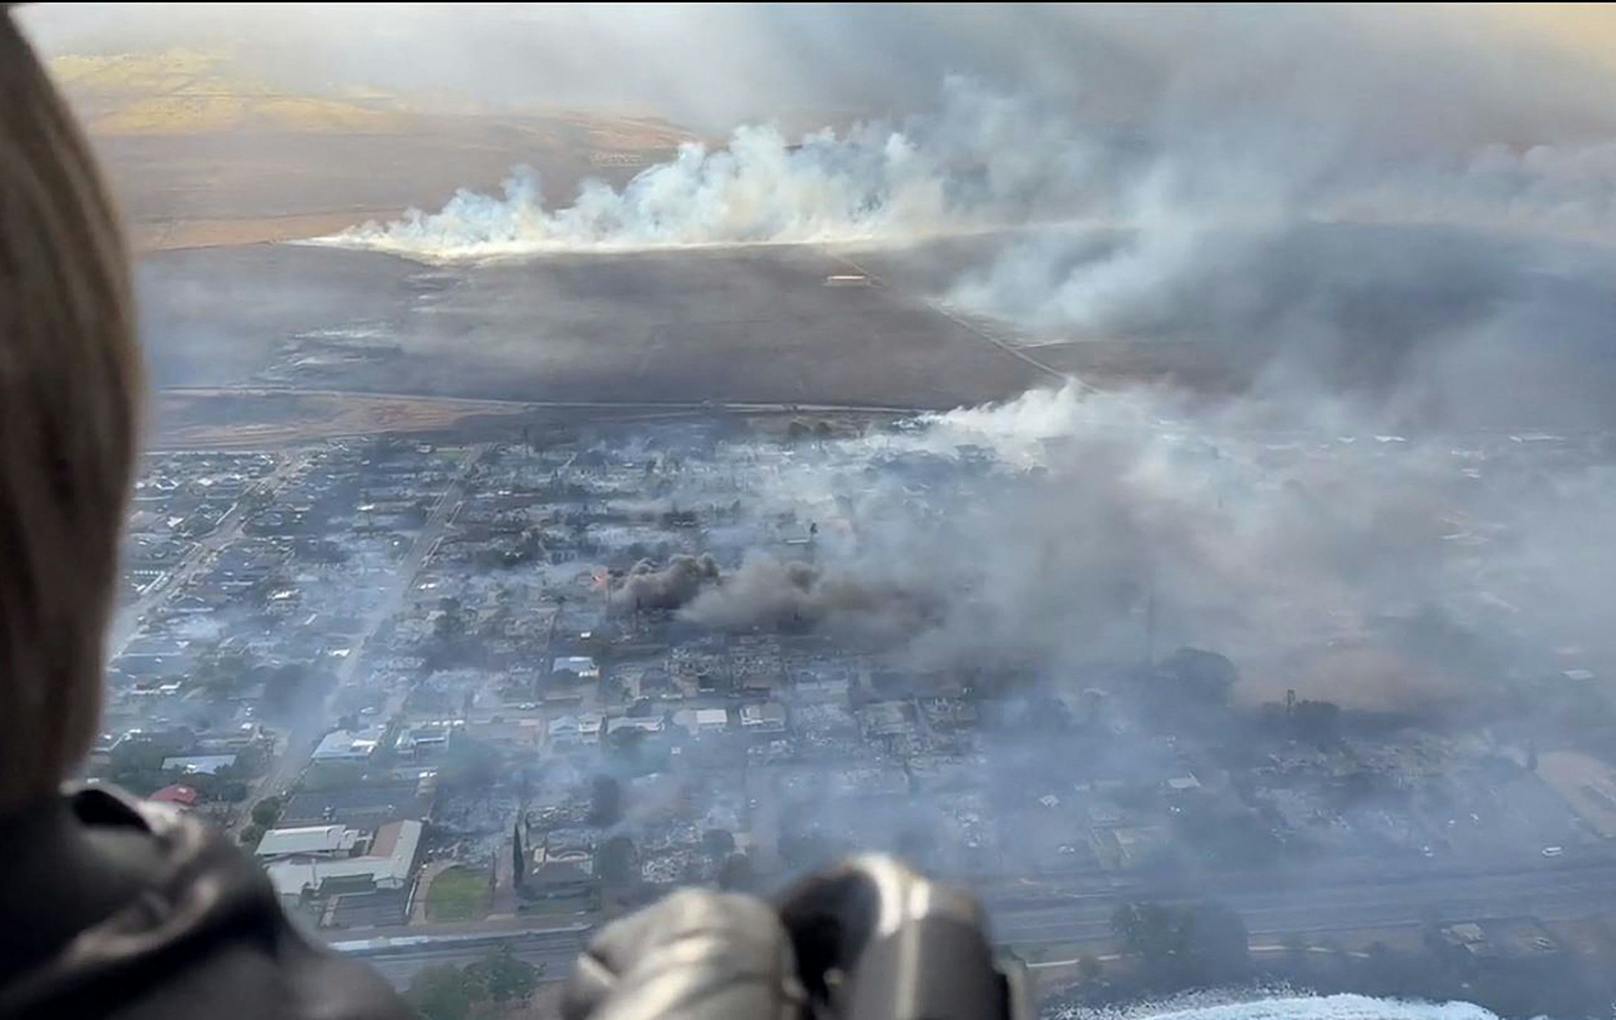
(711, 67)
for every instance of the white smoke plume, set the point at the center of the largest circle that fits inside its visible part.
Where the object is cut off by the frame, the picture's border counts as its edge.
(980, 160)
(1093, 526)
(872, 183)
(984, 159)
(1213, 238)
(758, 189)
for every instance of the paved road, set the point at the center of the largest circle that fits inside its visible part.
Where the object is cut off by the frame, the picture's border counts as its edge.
(1546, 892)
(554, 950)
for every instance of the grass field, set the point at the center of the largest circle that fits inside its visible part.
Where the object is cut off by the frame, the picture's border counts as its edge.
(459, 894)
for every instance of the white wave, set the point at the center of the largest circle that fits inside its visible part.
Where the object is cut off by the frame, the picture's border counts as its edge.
(1286, 1007)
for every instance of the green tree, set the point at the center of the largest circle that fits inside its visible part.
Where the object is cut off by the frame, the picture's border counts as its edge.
(518, 857)
(1150, 931)
(266, 811)
(1205, 676)
(1318, 722)
(251, 834)
(441, 992)
(451, 622)
(1193, 945)
(1089, 968)
(447, 992)
(219, 670)
(502, 978)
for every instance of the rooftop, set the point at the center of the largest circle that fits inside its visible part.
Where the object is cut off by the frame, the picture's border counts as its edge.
(308, 839)
(347, 745)
(184, 796)
(402, 840)
(768, 714)
(581, 665)
(199, 764)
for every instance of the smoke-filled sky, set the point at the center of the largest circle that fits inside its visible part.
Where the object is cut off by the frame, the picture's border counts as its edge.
(1401, 215)
(1458, 75)
(1401, 218)
(1413, 203)
(1050, 531)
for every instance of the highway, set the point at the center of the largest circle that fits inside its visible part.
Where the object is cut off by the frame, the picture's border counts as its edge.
(553, 949)
(1547, 892)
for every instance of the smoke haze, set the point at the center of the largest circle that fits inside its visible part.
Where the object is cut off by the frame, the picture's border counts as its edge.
(1412, 212)
(1050, 529)
(1392, 228)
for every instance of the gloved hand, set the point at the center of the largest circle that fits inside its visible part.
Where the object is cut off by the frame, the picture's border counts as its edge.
(697, 955)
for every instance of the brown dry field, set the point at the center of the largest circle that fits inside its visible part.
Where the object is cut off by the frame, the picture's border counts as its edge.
(720, 325)
(224, 419)
(168, 235)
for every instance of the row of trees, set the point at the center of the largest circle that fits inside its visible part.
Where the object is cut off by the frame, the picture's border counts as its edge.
(264, 815)
(1183, 947)
(497, 986)
(137, 766)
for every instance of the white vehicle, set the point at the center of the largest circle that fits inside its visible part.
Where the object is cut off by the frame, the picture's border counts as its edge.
(1553, 851)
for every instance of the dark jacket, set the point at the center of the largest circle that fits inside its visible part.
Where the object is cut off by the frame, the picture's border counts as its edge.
(129, 910)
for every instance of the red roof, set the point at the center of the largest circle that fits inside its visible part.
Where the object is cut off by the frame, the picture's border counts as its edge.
(184, 796)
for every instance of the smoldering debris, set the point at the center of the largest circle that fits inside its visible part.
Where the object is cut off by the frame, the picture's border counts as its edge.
(1066, 530)
(772, 593)
(792, 595)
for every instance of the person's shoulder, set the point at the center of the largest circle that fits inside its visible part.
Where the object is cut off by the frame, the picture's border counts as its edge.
(206, 937)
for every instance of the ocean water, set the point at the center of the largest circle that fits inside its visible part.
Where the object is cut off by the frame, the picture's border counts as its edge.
(1279, 1006)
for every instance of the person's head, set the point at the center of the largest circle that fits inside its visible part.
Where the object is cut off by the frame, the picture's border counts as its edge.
(69, 395)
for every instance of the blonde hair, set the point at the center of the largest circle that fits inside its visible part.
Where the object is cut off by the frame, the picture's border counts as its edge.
(69, 386)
